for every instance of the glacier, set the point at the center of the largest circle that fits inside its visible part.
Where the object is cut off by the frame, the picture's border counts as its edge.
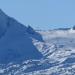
(26, 51)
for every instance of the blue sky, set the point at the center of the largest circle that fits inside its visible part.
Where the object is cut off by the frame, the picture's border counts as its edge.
(42, 14)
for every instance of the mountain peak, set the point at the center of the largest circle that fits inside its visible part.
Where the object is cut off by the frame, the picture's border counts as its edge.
(2, 13)
(73, 27)
(1, 10)
(15, 42)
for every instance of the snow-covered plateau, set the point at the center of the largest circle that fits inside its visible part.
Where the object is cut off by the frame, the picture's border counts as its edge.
(25, 51)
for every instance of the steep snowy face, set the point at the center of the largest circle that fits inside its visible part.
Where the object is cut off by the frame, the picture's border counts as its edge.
(73, 27)
(3, 22)
(15, 41)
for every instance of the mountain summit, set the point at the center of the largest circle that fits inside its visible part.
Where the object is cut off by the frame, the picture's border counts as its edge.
(15, 42)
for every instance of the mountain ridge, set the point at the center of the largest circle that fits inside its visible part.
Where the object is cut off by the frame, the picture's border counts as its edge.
(14, 38)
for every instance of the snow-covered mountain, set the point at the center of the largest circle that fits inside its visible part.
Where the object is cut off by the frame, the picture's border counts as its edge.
(15, 41)
(24, 51)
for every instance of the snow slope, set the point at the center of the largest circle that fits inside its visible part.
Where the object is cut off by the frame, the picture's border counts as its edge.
(59, 50)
